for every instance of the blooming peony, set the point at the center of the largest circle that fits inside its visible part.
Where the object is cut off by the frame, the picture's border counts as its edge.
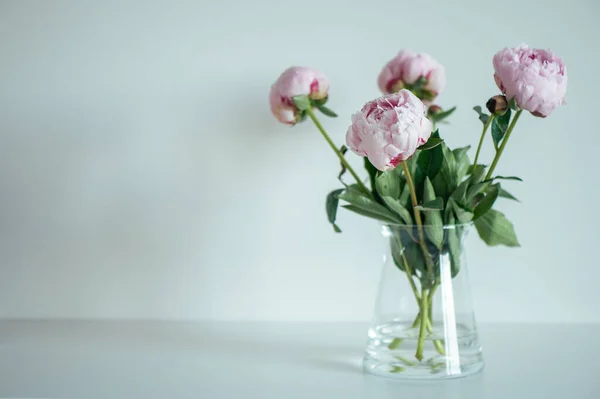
(407, 68)
(388, 130)
(296, 81)
(536, 79)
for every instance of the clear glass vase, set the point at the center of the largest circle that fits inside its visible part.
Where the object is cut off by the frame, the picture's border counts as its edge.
(424, 324)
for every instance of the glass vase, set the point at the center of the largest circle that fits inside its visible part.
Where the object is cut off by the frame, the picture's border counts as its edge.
(424, 324)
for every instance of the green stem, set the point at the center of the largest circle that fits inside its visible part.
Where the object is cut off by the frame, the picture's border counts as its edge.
(415, 203)
(485, 128)
(312, 116)
(431, 293)
(423, 328)
(439, 344)
(501, 149)
(408, 272)
(417, 319)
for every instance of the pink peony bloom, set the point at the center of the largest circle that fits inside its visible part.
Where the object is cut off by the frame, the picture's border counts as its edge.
(296, 81)
(536, 79)
(389, 130)
(407, 68)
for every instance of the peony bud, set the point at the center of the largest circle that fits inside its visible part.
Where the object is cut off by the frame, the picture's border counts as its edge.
(296, 81)
(420, 73)
(388, 130)
(535, 79)
(497, 105)
(433, 110)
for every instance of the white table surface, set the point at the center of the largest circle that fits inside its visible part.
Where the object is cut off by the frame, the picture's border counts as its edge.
(117, 359)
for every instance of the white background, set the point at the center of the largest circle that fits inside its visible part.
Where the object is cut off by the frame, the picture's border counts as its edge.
(142, 175)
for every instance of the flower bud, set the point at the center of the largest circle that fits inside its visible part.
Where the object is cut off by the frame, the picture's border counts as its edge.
(296, 81)
(433, 110)
(419, 73)
(497, 105)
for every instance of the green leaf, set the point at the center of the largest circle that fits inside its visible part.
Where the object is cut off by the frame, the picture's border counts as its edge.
(371, 170)
(397, 207)
(302, 102)
(388, 184)
(437, 204)
(487, 202)
(462, 215)
(431, 143)
(507, 178)
(495, 229)
(462, 162)
(434, 228)
(499, 127)
(331, 206)
(359, 200)
(414, 256)
(448, 168)
(326, 111)
(477, 172)
(343, 150)
(371, 215)
(440, 116)
(453, 247)
(428, 164)
(475, 189)
(460, 194)
(512, 104)
(483, 117)
(395, 343)
(405, 197)
(505, 194)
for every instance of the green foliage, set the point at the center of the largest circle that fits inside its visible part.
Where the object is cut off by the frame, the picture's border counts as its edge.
(331, 206)
(343, 150)
(431, 143)
(505, 194)
(388, 184)
(499, 127)
(363, 205)
(495, 229)
(326, 111)
(302, 102)
(440, 116)
(483, 117)
(429, 164)
(434, 228)
(372, 171)
(450, 192)
(486, 203)
(398, 208)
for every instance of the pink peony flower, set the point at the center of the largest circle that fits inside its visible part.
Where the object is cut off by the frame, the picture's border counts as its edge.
(388, 130)
(536, 79)
(407, 68)
(296, 81)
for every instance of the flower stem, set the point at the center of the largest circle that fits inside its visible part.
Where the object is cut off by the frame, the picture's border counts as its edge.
(439, 344)
(313, 117)
(485, 128)
(422, 329)
(415, 203)
(501, 149)
(418, 318)
(408, 272)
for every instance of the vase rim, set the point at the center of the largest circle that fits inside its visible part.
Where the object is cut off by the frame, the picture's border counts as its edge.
(414, 226)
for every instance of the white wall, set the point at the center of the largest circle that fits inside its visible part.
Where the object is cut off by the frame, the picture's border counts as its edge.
(142, 175)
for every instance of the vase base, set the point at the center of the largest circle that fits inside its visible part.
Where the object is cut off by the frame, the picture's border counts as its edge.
(392, 352)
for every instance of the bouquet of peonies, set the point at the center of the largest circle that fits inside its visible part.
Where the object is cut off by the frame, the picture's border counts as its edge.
(414, 178)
